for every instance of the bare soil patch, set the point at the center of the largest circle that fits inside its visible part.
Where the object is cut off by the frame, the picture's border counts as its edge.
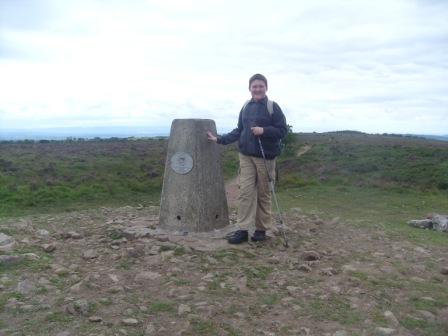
(111, 272)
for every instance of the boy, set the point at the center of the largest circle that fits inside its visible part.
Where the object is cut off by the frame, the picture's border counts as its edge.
(256, 121)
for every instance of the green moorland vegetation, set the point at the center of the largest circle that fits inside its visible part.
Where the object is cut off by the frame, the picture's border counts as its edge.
(376, 179)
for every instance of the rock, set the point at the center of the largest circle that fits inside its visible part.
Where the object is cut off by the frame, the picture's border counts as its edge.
(422, 224)
(212, 260)
(384, 331)
(349, 268)
(89, 254)
(12, 304)
(167, 254)
(113, 277)
(183, 309)
(435, 222)
(134, 252)
(330, 271)
(6, 243)
(428, 298)
(162, 238)
(336, 289)
(303, 331)
(76, 288)
(296, 211)
(428, 316)
(49, 247)
(442, 315)
(79, 307)
(31, 256)
(274, 260)
(137, 232)
(44, 306)
(390, 317)
(310, 256)
(5, 280)
(95, 319)
(440, 222)
(304, 268)
(241, 284)
(340, 333)
(444, 270)
(150, 330)
(129, 312)
(9, 260)
(61, 271)
(420, 250)
(42, 233)
(147, 276)
(28, 308)
(25, 286)
(154, 250)
(208, 277)
(63, 333)
(129, 322)
(43, 281)
(72, 235)
(115, 289)
(292, 290)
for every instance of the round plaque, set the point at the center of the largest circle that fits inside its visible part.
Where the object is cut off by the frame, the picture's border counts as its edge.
(181, 163)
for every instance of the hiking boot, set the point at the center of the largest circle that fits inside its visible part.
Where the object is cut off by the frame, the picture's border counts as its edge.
(258, 236)
(238, 237)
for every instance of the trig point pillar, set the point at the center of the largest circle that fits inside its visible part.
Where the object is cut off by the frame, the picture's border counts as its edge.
(193, 193)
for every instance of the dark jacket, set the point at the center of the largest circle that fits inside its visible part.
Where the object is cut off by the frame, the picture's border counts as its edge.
(257, 114)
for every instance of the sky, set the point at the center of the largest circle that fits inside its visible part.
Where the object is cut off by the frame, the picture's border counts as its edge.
(372, 66)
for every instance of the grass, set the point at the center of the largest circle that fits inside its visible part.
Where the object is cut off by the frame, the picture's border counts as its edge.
(418, 304)
(61, 175)
(181, 282)
(371, 207)
(162, 306)
(424, 327)
(57, 176)
(6, 296)
(201, 327)
(58, 317)
(39, 265)
(270, 299)
(333, 309)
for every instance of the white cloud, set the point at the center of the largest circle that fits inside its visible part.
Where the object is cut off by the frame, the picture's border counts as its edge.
(373, 67)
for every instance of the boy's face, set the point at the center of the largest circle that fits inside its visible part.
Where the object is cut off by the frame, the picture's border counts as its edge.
(258, 89)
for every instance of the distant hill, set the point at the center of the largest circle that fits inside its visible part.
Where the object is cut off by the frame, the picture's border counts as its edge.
(127, 132)
(82, 132)
(434, 137)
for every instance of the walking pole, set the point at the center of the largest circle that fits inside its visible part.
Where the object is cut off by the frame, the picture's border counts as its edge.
(271, 186)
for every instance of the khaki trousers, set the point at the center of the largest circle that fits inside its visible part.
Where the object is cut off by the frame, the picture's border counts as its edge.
(254, 202)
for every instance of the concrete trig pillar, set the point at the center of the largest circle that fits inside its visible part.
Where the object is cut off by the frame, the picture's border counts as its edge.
(193, 194)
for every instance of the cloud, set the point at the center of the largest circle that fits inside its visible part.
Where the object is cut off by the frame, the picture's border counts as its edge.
(329, 64)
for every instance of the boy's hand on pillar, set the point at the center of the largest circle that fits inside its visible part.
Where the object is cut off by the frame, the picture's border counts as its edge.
(211, 137)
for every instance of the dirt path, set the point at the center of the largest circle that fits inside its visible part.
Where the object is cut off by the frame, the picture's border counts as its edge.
(104, 272)
(302, 150)
(232, 192)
